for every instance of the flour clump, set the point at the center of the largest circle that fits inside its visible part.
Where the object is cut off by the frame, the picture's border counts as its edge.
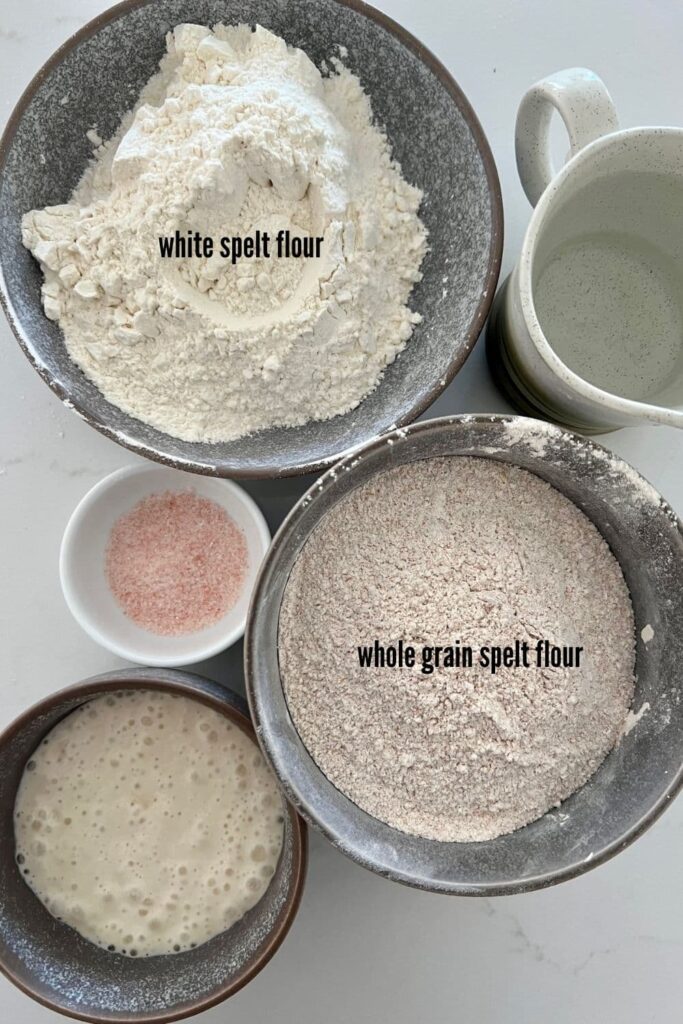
(237, 133)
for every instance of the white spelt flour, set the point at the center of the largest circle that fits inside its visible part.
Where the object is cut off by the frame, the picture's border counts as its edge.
(456, 549)
(238, 132)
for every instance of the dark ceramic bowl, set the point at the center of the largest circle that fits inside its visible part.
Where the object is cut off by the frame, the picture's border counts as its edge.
(52, 963)
(434, 134)
(637, 780)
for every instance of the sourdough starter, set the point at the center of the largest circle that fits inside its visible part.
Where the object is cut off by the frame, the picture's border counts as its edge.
(148, 822)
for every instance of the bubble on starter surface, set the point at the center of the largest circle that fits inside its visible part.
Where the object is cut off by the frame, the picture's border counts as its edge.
(148, 822)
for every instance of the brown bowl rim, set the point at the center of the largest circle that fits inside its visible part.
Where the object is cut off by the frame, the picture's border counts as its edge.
(488, 287)
(194, 687)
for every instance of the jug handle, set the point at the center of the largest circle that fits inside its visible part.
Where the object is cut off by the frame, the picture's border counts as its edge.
(585, 106)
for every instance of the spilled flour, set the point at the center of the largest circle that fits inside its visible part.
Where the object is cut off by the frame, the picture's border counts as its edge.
(237, 133)
(433, 552)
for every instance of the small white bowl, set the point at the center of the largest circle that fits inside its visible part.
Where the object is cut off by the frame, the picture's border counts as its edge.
(82, 562)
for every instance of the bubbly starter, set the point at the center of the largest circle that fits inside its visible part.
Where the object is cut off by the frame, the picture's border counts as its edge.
(149, 823)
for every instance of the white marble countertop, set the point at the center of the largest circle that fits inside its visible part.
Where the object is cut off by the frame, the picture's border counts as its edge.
(604, 948)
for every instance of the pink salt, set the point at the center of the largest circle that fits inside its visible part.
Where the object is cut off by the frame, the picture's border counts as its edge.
(176, 563)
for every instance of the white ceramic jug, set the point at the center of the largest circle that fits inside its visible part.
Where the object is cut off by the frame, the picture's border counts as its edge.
(588, 328)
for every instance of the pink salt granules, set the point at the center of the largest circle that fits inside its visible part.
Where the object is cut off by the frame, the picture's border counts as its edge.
(176, 563)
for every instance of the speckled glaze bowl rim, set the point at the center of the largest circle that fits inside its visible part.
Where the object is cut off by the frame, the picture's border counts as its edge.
(254, 637)
(488, 286)
(203, 690)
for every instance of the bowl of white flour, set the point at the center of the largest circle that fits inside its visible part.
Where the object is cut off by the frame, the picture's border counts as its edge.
(463, 653)
(231, 245)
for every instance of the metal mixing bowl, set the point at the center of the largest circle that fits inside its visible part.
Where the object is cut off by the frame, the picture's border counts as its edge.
(97, 76)
(638, 778)
(56, 966)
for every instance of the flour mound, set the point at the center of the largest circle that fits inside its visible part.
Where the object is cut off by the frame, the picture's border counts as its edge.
(236, 133)
(456, 549)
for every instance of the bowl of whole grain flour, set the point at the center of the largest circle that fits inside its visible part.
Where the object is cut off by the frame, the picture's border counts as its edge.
(463, 655)
(229, 244)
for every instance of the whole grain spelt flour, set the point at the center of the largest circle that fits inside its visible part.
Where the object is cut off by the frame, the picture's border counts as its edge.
(485, 553)
(237, 133)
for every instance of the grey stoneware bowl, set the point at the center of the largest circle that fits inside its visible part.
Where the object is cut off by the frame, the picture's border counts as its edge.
(639, 777)
(52, 963)
(434, 134)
